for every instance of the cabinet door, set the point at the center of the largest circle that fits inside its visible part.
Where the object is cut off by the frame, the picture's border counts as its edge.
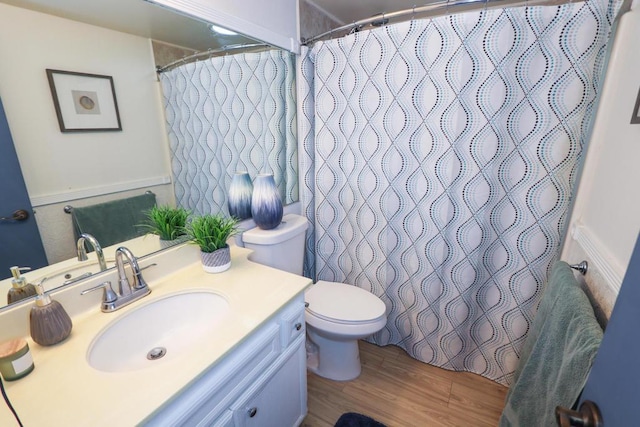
(279, 399)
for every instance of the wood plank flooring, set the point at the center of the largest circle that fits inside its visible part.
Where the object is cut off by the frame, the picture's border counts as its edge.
(402, 392)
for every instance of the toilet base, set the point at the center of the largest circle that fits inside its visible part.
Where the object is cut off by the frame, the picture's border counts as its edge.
(337, 360)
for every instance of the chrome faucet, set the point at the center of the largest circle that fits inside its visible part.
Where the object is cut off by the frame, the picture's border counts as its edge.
(82, 251)
(127, 292)
(124, 286)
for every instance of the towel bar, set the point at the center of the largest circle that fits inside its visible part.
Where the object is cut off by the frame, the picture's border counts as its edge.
(68, 208)
(582, 267)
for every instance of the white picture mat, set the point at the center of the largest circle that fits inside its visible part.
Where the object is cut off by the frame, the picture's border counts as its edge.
(66, 83)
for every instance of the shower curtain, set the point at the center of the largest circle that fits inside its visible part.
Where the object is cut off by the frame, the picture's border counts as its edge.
(439, 162)
(231, 113)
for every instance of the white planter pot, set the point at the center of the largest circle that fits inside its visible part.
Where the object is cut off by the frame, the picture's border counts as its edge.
(217, 261)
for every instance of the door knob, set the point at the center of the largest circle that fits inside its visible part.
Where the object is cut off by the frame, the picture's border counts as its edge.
(587, 416)
(19, 215)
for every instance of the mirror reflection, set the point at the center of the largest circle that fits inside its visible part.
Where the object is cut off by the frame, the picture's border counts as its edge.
(185, 131)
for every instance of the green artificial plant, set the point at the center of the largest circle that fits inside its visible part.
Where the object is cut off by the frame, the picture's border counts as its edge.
(211, 232)
(167, 222)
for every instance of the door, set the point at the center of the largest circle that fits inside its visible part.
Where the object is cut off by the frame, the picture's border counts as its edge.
(615, 377)
(20, 242)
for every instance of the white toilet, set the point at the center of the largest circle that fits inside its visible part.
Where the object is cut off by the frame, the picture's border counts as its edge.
(337, 315)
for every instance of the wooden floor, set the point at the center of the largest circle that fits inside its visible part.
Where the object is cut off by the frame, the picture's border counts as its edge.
(399, 391)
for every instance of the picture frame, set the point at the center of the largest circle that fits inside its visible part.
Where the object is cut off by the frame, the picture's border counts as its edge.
(84, 102)
(635, 118)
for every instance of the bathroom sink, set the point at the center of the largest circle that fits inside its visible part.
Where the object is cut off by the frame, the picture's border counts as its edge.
(161, 330)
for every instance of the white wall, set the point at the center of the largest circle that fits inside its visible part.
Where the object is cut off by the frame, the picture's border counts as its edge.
(63, 166)
(314, 21)
(606, 216)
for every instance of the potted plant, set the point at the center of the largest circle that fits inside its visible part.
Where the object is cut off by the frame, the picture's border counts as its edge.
(210, 233)
(168, 223)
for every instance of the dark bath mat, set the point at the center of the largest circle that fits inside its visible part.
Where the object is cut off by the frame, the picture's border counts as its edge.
(351, 419)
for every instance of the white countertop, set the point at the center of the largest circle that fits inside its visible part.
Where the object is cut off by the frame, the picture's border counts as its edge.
(64, 390)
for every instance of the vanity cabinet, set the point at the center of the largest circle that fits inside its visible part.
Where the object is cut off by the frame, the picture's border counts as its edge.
(262, 382)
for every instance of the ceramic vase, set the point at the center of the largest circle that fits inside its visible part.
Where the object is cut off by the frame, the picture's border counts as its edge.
(216, 261)
(239, 197)
(266, 205)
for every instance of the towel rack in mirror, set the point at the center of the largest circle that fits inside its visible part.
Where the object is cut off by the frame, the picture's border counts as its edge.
(68, 208)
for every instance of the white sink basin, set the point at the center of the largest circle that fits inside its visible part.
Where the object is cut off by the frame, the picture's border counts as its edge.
(167, 327)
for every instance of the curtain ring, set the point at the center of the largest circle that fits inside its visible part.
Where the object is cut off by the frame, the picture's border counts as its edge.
(413, 13)
(354, 28)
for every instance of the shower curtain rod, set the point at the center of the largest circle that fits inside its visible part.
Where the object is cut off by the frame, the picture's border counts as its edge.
(437, 8)
(209, 53)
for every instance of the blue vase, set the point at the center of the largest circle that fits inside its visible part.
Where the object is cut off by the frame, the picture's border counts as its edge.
(239, 197)
(266, 205)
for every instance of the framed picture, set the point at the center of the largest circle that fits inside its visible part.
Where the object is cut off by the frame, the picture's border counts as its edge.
(635, 118)
(84, 102)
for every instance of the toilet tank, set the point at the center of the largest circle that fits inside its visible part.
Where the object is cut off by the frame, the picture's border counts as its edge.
(281, 247)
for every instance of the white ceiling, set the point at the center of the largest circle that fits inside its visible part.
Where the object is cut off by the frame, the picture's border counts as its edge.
(135, 17)
(347, 11)
(147, 20)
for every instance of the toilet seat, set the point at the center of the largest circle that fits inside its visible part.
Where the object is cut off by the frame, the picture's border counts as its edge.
(344, 304)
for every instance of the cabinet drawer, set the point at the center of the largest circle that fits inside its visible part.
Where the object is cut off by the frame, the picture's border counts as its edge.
(292, 323)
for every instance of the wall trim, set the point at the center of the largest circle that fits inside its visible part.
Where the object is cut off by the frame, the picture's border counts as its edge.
(84, 193)
(598, 257)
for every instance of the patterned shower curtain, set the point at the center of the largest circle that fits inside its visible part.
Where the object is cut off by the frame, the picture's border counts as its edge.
(439, 162)
(231, 113)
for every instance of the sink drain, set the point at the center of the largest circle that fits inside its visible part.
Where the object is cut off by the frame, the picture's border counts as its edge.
(156, 353)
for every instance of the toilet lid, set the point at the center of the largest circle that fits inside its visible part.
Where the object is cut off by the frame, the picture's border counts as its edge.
(343, 303)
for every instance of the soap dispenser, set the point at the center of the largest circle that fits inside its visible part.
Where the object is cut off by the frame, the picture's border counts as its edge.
(49, 322)
(20, 288)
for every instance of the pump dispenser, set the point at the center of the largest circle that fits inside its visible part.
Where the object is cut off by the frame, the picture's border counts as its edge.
(21, 289)
(48, 320)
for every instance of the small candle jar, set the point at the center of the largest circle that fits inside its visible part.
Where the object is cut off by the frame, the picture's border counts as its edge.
(15, 359)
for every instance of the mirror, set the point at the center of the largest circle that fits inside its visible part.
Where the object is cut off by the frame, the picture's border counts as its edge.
(104, 37)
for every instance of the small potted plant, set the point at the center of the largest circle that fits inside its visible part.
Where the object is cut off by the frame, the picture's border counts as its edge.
(210, 233)
(168, 223)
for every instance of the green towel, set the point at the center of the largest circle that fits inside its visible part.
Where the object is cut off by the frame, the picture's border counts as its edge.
(557, 356)
(114, 222)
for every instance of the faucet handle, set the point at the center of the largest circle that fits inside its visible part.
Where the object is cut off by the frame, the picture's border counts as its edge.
(153, 264)
(140, 283)
(108, 296)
